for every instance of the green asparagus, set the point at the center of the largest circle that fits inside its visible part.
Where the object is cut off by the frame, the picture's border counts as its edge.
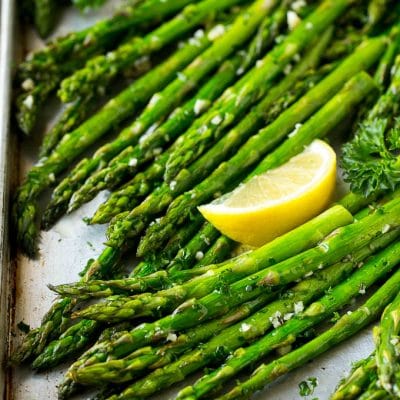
(288, 245)
(84, 44)
(327, 252)
(80, 333)
(115, 111)
(44, 16)
(358, 380)
(133, 157)
(287, 332)
(237, 100)
(101, 70)
(346, 327)
(228, 173)
(155, 357)
(71, 118)
(386, 338)
(273, 315)
(163, 195)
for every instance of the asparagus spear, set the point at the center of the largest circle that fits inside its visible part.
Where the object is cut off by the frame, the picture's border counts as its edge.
(228, 173)
(114, 112)
(195, 249)
(228, 340)
(121, 307)
(278, 99)
(83, 44)
(131, 134)
(56, 350)
(130, 159)
(134, 222)
(45, 12)
(162, 196)
(358, 380)
(101, 70)
(158, 280)
(218, 252)
(63, 56)
(376, 11)
(155, 357)
(346, 327)
(68, 387)
(236, 101)
(70, 119)
(386, 338)
(76, 337)
(79, 334)
(382, 74)
(129, 195)
(316, 312)
(52, 324)
(291, 243)
(29, 103)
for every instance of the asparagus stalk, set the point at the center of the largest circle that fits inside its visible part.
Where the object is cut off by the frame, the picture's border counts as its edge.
(71, 118)
(375, 394)
(159, 280)
(376, 11)
(290, 244)
(68, 387)
(163, 354)
(386, 340)
(228, 173)
(155, 357)
(162, 196)
(78, 335)
(121, 307)
(346, 327)
(56, 351)
(195, 249)
(130, 159)
(218, 252)
(52, 324)
(44, 16)
(115, 111)
(236, 101)
(278, 99)
(382, 74)
(101, 70)
(131, 134)
(83, 44)
(75, 338)
(28, 104)
(246, 331)
(63, 56)
(129, 195)
(358, 380)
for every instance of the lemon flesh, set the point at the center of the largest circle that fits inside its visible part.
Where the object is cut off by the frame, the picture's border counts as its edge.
(277, 201)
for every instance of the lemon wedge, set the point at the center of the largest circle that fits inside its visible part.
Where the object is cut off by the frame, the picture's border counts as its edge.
(277, 201)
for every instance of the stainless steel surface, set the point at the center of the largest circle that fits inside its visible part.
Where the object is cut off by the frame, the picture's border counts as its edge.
(6, 54)
(65, 249)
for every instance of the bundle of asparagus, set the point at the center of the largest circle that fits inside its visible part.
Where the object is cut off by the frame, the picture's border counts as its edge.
(245, 90)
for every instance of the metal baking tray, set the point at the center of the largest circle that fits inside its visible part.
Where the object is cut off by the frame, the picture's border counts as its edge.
(24, 295)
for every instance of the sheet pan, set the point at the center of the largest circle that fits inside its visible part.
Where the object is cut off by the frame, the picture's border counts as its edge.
(64, 250)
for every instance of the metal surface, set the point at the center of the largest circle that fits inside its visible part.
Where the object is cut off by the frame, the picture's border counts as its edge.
(6, 55)
(65, 249)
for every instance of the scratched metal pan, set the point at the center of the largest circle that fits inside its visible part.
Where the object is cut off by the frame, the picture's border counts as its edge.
(24, 295)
